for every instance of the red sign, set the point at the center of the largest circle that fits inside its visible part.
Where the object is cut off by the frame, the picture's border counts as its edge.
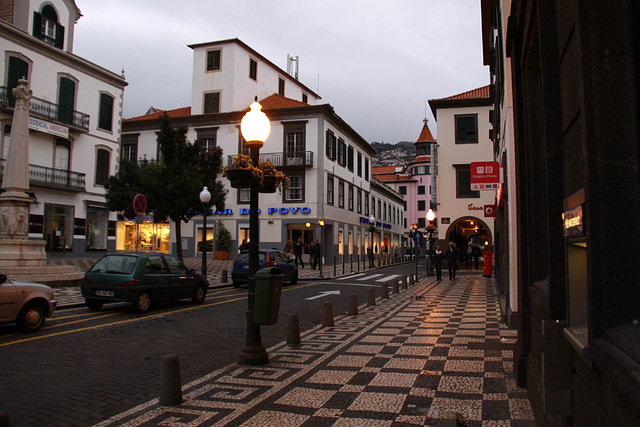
(489, 211)
(485, 175)
(140, 204)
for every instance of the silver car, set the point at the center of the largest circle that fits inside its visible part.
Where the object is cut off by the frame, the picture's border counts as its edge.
(27, 304)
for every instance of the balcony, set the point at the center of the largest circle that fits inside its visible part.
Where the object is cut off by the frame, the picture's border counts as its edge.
(281, 160)
(48, 110)
(60, 179)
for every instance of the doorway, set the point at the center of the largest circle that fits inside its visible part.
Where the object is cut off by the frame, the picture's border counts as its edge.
(297, 231)
(58, 228)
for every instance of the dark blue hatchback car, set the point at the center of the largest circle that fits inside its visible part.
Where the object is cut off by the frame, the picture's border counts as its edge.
(267, 258)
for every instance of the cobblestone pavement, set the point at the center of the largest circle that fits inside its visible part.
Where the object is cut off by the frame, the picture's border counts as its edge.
(434, 351)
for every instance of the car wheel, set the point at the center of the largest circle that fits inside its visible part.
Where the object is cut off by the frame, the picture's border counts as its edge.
(142, 304)
(201, 293)
(294, 280)
(93, 304)
(32, 316)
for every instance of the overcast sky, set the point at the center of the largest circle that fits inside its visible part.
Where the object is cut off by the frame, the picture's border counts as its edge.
(378, 61)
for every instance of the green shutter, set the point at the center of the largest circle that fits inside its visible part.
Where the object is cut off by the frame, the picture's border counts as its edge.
(106, 112)
(59, 36)
(37, 25)
(66, 100)
(17, 70)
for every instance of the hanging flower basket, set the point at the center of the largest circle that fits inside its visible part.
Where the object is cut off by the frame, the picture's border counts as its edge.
(269, 184)
(239, 178)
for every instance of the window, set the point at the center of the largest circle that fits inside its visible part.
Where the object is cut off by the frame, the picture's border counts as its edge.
(305, 99)
(422, 205)
(62, 154)
(373, 206)
(366, 169)
(463, 183)
(350, 158)
(66, 100)
(47, 28)
(393, 211)
(402, 189)
(422, 222)
(350, 197)
(175, 265)
(359, 203)
(213, 60)
(97, 228)
(253, 69)
(466, 129)
(294, 143)
(211, 103)
(419, 170)
(359, 164)
(295, 189)
(341, 194)
(17, 70)
(330, 145)
(341, 153)
(243, 148)
(380, 209)
(366, 204)
(384, 212)
(208, 138)
(244, 195)
(106, 112)
(103, 158)
(330, 189)
(129, 148)
(421, 189)
(281, 86)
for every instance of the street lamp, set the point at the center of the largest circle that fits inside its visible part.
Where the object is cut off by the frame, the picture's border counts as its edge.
(255, 128)
(372, 228)
(430, 217)
(321, 224)
(205, 197)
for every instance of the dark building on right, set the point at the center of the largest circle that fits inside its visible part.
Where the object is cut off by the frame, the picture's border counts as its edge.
(566, 130)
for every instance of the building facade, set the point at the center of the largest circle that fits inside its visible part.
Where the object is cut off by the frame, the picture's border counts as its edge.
(327, 162)
(570, 71)
(463, 137)
(75, 116)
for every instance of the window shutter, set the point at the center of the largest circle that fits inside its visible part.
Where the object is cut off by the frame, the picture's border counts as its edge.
(106, 112)
(59, 36)
(102, 167)
(37, 25)
(328, 143)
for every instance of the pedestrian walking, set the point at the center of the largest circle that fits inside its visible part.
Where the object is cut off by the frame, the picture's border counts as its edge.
(437, 262)
(451, 256)
(476, 255)
(317, 254)
(469, 256)
(244, 246)
(287, 247)
(312, 256)
(297, 252)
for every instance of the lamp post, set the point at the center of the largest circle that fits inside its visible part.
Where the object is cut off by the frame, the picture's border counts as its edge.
(205, 197)
(372, 228)
(321, 224)
(430, 217)
(255, 128)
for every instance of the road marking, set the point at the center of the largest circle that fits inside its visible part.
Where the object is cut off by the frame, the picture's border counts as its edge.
(350, 284)
(370, 276)
(387, 278)
(351, 277)
(323, 294)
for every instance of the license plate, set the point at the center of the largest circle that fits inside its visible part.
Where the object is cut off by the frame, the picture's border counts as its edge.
(104, 293)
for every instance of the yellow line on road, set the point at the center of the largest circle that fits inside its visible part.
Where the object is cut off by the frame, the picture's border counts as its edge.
(90, 313)
(113, 313)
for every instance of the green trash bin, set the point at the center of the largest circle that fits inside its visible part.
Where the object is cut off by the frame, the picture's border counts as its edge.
(268, 291)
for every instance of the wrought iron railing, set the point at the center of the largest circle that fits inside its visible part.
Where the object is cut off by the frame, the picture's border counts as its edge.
(50, 177)
(48, 110)
(301, 158)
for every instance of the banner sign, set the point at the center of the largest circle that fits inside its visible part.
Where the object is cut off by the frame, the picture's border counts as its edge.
(572, 222)
(489, 211)
(485, 176)
(50, 128)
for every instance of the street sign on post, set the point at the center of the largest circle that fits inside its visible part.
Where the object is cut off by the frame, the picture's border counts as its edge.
(485, 176)
(140, 204)
(418, 237)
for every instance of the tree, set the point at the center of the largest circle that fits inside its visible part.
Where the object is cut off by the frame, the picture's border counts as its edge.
(173, 184)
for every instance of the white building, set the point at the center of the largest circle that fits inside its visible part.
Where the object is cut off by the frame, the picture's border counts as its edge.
(75, 115)
(327, 162)
(463, 137)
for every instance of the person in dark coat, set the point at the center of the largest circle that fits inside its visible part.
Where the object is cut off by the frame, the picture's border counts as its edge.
(244, 246)
(451, 256)
(476, 255)
(297, 252)
(312, 256)
(317, 254)
(438, 256)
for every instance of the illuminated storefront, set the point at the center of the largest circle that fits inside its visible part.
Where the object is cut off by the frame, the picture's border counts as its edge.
(147, 236)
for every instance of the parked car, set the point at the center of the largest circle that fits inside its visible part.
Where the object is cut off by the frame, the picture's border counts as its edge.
(28, 304)
(142, 279)
(266, 258)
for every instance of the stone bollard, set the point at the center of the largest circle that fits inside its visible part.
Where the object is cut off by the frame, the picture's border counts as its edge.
(5, 420)
(372, 298)
(327, 313)
(293, 330)
(412, 281)
(404, 282)
(170, 384)
(385, 290)
(353, 305)
(225, 276)
(396, 289)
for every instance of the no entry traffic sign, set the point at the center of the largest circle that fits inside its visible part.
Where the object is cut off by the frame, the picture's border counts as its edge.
(140, 204)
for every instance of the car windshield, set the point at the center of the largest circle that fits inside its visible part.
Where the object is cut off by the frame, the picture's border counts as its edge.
(115, 264)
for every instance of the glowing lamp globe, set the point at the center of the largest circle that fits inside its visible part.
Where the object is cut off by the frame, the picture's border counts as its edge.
(255, 126)
(430, 215)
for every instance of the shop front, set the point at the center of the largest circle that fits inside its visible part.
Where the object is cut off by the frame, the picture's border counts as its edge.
(145, 236)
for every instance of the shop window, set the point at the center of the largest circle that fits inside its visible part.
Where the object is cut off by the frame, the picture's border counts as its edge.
(97, 228)
(330, 189)
(148, 236)
(463, 183)
(58, 227)
(105, 118)
(244, 235)
(340, 243)
(350, 242)
(209, 239)
(466, 129)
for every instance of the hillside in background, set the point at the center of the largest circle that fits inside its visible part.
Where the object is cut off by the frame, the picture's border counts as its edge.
(393, 154)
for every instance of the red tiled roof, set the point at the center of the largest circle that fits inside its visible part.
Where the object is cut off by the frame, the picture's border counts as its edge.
(478, 93)
(277, 102)
(421, 158)
(387, 177)
(178, 112)
(382, 170)
(425, 134)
